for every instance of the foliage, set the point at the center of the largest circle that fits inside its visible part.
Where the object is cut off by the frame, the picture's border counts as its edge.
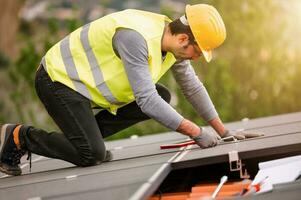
(255, 73)
(4, 61)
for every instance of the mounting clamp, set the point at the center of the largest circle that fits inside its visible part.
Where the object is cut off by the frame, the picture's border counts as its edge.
(236, 164)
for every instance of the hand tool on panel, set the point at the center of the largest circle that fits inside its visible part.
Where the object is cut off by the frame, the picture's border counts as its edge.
(192, 142)
(177, 145)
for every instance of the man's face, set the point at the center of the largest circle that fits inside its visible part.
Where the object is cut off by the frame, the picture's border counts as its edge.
(184, 50)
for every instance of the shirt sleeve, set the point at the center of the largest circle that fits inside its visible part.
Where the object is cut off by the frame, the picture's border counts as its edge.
(131, 47)
(193, 89)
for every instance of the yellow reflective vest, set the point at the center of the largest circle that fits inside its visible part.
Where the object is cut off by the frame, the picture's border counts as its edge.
(86, 62)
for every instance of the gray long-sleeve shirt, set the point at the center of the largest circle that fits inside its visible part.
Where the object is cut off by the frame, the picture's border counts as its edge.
(131, 47)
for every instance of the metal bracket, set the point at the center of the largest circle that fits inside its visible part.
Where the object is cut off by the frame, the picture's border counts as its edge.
(236, 164)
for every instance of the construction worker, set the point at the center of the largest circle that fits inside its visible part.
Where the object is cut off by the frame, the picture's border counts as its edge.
(114, 63)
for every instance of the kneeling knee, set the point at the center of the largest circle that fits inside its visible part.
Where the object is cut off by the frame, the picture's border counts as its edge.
(93, 158)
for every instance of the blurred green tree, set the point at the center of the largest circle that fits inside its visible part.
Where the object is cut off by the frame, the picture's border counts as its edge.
(255, 73)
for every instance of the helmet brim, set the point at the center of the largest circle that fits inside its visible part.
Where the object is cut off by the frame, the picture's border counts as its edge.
(207, 55)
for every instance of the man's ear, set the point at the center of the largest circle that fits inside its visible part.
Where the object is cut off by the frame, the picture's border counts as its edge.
(183, 39)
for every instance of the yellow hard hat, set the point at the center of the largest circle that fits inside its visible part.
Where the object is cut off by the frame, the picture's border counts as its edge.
(207, 27)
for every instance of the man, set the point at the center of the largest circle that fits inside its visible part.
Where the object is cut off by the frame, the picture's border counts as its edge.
(114, 63)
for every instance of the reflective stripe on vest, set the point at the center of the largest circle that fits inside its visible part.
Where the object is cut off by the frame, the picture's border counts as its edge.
(70, 68)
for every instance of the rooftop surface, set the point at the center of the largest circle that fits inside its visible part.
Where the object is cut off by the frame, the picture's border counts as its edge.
(139, 165)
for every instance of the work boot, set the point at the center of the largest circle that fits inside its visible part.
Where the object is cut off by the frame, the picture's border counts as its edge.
(10, 149)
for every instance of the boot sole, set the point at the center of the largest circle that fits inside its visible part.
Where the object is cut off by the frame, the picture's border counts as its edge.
(12, 173)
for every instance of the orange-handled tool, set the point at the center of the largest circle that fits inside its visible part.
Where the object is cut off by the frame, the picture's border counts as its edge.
(177, 145)
(191, 142)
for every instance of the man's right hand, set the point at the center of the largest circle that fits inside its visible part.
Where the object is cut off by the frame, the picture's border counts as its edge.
(201, 136)
(206, 139)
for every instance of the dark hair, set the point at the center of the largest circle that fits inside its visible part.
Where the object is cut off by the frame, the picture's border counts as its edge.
(177, 27)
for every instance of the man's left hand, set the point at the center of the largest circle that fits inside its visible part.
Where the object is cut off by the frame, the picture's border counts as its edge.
(241, 134)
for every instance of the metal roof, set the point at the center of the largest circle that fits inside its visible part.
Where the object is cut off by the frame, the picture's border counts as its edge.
(139, 165)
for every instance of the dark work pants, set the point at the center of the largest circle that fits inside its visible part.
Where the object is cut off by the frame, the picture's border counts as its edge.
(81, 142)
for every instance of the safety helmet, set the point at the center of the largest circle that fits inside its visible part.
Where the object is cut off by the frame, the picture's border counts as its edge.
(207, 27)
